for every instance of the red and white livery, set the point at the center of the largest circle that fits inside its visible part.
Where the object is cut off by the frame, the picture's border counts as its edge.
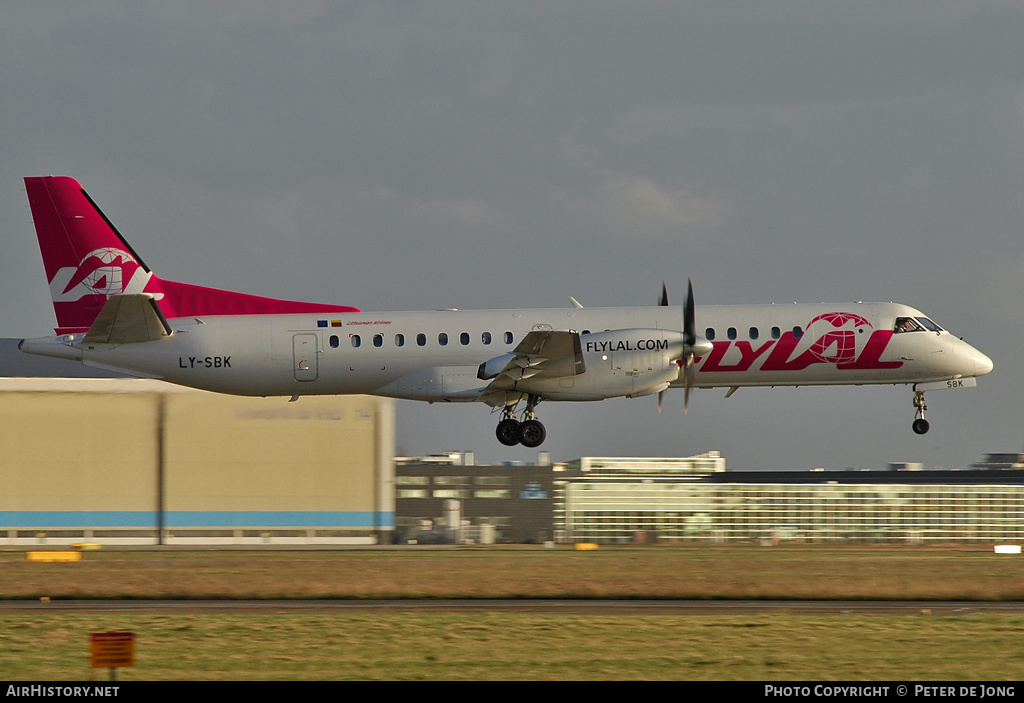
(114, 313)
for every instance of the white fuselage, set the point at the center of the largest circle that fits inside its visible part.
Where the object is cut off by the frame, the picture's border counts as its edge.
(435, 356)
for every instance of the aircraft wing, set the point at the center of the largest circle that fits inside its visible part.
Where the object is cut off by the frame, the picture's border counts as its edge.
(126, 319)
(545, 354)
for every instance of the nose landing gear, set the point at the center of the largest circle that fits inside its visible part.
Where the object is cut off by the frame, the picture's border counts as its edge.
(530, 432)
(920, 424)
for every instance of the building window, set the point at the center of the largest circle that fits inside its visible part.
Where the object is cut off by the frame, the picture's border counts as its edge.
(450, 493)
(493, 480)
(412, 493)
(412, 480)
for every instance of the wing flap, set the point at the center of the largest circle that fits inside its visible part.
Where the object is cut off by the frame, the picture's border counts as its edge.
(128, 319)
(541, 354)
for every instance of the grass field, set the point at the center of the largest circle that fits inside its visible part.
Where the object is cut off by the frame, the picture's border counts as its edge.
(877, 572)
(525, 646)
(521, 647)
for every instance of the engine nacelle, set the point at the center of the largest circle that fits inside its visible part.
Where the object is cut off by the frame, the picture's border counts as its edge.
(491, 368)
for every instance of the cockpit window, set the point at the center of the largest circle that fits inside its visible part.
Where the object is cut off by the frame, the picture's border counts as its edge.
(929, 324)
(907, 324)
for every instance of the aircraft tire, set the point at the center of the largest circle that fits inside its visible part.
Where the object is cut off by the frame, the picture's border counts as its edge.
(921, 425)
(532, 433)
(508, 432)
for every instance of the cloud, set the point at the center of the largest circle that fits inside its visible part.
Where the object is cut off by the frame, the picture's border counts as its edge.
(646, 200)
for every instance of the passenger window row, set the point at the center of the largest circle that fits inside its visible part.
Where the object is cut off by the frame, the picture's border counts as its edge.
(753, 333)
(421, 339)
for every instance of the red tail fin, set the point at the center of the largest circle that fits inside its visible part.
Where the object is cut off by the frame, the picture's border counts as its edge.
(87, 261)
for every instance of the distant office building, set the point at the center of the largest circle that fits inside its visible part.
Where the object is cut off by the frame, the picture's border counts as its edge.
(495, 503)
(695, 499)
(1001, 461)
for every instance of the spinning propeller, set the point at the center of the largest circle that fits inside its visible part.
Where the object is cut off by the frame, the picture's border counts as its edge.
(693, 345)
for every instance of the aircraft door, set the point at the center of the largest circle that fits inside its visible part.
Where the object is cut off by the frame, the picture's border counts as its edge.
(304, 356)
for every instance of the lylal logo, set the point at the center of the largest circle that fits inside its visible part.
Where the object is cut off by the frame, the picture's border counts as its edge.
(106, 271)
(837, 337)
(842, 338)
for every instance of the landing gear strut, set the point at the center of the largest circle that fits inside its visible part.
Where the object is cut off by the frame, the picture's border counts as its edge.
(920, 424)
(530, 432)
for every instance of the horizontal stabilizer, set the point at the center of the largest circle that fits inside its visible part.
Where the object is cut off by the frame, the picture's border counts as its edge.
(128, 319)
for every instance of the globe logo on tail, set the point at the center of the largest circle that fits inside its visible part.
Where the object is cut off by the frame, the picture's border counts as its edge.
(105, 271)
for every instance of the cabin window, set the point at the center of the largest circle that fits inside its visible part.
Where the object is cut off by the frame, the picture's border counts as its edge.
(798, 332)
(709, 334)
(464, 338)
(508, 338)
(731, 333)
(442, 338)
(378, 340)
(335, 341)
(776, 333)
(399, 340)
(486, 337)
(753, 333)
(421, 340)
(354, 338)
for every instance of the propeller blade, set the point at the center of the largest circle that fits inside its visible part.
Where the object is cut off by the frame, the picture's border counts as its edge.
(689, 340)
(661, 398)
(689, 321)
(663, 302)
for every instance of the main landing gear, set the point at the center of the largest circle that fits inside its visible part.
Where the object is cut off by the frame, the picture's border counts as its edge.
(530, 432)
(920, 424)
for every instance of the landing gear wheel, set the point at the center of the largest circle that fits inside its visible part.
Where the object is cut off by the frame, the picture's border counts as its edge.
(532, 433)
(920, 425)
(508, 432)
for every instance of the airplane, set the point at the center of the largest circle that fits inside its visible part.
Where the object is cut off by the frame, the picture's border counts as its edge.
(114, 313)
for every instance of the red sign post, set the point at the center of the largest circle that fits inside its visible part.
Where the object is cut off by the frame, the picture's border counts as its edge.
(112, 649)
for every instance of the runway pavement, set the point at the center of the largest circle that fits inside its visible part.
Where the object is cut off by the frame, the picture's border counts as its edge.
(540, 606)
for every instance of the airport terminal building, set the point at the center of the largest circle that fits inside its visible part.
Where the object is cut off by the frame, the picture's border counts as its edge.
(695, 499)
(661, 500)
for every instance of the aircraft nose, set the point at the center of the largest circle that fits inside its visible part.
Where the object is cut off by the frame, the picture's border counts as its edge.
(982, 364)
(974, 362)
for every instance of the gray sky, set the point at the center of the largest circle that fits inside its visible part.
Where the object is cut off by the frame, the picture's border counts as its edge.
(421, 155)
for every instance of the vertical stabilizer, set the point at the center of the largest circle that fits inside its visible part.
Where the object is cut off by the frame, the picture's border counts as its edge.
(85, 258)
(87, 261)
